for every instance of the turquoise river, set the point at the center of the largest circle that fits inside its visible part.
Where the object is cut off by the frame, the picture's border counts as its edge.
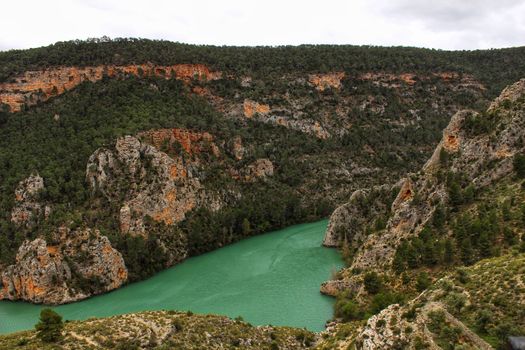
(269, 279)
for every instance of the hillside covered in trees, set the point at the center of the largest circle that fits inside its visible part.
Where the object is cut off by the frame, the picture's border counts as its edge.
(170, 150)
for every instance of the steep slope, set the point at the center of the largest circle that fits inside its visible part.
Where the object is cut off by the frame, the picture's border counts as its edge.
(466, 204)
(171, 150)
(476, 307)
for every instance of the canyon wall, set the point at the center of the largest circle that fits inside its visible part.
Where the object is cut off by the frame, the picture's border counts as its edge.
(38, 86)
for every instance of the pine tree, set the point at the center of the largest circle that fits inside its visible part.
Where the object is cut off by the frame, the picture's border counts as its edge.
(49, 328)
(448, 255)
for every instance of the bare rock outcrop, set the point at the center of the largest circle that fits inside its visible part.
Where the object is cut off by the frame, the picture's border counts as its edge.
(348, 223)
(326, 81)
(261, 168)
(28, 208)
(81, 263)
(33, 87)
(237, 149)
(263, 113)
(483, 155)
(151, 182)
(252, 108)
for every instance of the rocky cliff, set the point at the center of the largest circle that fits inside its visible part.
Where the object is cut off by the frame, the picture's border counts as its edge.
(28, 209)
(73, 265)
(163, 186)
(483, 159)
(473, 173)
(33, 87)
(151, 182)
(201, 148)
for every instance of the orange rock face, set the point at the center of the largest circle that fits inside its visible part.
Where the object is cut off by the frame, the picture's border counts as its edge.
(37, 86)
(451, 142)
(326, 81)
(41, 272)
(192, 142)
(503, 152)
(252, 107)
(408, 78)
(405, 194)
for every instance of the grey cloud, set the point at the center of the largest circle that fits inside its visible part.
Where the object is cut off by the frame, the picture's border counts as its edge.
(445, 24)
(468, 23)
(445, 11)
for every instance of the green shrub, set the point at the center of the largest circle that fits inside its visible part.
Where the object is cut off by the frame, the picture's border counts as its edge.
(49, 328)
(423, 281)
(373, 283)
(383, 300)
(519, 165)
(348, 309)
(483, 319)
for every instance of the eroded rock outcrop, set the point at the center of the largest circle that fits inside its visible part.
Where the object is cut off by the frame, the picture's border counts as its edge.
(81, 263)
(151, 182)
(252, 108)
(464, 149)
(326, 81)
(263, 113)
(192, 142)
(237, 149)
(38, 86)
(349, 222)
(28, 208)
(390, 80)
(307, 126)
(261, 168)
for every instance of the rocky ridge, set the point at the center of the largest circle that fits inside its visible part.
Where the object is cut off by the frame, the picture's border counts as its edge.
(421, 193)
(481, 149)
(33, 87)
(37, 86)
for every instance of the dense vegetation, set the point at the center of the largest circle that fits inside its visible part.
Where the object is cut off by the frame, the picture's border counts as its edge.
(495, 68)
(35, 141)
(56, 138)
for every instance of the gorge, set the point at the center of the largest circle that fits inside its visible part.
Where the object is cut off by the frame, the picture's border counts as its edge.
(257, 279)
(138, 175)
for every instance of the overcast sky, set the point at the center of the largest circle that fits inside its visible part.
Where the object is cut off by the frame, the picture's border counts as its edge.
(444, 24)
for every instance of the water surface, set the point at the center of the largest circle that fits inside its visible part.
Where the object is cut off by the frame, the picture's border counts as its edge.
(269, 279)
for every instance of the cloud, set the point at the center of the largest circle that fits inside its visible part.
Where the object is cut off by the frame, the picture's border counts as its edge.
(445, 24)
(464, 24)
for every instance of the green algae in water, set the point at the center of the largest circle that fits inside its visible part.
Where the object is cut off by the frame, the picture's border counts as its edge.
(269, 279)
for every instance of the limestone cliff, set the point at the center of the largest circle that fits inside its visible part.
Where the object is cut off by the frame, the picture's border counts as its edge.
(150, 182)
(74, 265)
(349, 222)
(263, 113)
(479, 147)
(28, 208)
(38, 86)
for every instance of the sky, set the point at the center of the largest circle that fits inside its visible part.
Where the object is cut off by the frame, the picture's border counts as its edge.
(441, 24)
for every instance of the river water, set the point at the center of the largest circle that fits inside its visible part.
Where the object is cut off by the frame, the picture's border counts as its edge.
(269, 279)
